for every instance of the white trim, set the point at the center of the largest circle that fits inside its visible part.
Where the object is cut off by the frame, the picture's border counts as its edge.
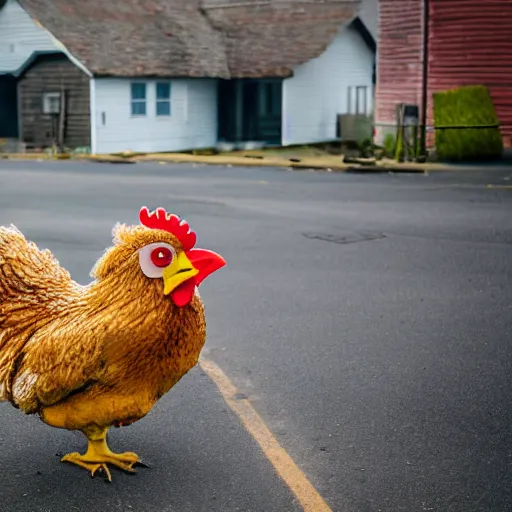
(284, 114)
(73, 59)
(18, 106)
(31, 58)
(58, 44)
(92, 116)
(186, 100)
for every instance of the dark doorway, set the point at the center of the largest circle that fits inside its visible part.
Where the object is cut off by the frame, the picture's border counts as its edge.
(250, 110)
(8, 107)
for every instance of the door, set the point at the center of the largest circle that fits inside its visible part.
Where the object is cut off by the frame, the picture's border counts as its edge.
(270, 99)
(250, 110)
(8, 108)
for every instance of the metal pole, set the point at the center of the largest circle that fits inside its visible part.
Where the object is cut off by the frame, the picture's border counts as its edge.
(239, 109)
(424, 85)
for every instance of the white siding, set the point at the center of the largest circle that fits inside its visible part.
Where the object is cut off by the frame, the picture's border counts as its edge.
(20, 36)
(318, 91)
(191, 125)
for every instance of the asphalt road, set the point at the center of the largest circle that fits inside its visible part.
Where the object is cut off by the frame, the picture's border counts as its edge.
(367, 318)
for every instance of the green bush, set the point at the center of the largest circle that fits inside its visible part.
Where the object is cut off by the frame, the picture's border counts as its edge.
(466, 106)
(389, 145)
(365, 147)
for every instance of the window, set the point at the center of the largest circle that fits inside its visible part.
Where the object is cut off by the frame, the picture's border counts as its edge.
(51, 102)
(362, 100)
(163, 99)
(138, 99)
(357, 100)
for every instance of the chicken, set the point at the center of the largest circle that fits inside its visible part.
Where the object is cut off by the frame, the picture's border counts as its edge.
(88, 358)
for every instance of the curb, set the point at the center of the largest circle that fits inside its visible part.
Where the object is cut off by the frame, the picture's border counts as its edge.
(333, 164)
(326, 164)
(384, 169)
(304, 164)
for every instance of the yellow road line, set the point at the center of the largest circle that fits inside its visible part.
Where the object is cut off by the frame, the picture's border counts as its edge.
(502, 187)
(295, 479)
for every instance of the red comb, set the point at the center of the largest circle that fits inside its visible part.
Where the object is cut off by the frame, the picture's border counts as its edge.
(160, 219)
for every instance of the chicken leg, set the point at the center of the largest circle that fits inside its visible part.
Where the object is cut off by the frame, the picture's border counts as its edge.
(98, 455)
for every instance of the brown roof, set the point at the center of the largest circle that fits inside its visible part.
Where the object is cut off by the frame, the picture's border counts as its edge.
(272, 38)
(193, 38)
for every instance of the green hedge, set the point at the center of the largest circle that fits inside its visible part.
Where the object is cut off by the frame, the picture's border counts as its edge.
(466, 106)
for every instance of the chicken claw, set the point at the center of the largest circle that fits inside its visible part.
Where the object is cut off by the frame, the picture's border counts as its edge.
(91, 466)
(99, 455)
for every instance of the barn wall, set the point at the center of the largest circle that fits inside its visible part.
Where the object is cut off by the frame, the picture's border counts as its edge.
(49, 73)
(399, 60)
(471, 44)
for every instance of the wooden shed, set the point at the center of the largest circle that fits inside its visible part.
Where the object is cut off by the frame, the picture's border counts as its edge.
(469, 43)
(54, 103)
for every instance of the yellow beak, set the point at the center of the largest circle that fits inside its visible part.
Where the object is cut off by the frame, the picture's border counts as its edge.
(178, 272)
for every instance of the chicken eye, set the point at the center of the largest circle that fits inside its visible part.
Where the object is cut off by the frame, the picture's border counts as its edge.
(154, 258)
(161, 257)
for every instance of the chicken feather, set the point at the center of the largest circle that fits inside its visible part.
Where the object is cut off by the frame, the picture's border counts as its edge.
(34, 291)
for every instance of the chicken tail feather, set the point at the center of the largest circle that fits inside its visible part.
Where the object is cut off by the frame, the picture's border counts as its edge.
(32, 285)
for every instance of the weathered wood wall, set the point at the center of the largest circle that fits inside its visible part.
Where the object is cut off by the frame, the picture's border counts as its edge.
(49, 73)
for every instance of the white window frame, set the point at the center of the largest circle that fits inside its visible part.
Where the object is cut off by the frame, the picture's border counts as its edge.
(48, 99)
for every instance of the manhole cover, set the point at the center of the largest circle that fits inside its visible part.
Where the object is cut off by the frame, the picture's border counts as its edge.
(345, 237)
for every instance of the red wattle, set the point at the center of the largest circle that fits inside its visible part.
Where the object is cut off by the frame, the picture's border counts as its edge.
(182, 295)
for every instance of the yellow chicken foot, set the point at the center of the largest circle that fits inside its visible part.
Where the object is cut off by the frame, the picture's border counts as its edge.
(98, 456)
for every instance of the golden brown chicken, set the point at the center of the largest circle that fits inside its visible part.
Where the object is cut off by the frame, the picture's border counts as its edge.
(91, 357)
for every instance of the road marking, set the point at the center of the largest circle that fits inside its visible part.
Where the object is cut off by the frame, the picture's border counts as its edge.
(469, 185)
(503, 187)
(295, 479)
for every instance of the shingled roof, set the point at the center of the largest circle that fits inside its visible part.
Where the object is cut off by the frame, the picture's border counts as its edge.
(193, 38)
(271, 38)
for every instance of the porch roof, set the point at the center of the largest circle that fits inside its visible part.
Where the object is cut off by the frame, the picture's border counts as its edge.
(193, 38)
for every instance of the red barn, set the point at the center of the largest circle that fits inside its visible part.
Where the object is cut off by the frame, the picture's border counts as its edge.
(469, 43)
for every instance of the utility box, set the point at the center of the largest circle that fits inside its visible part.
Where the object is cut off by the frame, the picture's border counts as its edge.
(354, 127)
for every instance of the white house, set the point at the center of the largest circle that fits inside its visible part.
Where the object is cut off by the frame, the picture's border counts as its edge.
(150, 78)
(20, 36)
(338, 81)
(153, 115)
